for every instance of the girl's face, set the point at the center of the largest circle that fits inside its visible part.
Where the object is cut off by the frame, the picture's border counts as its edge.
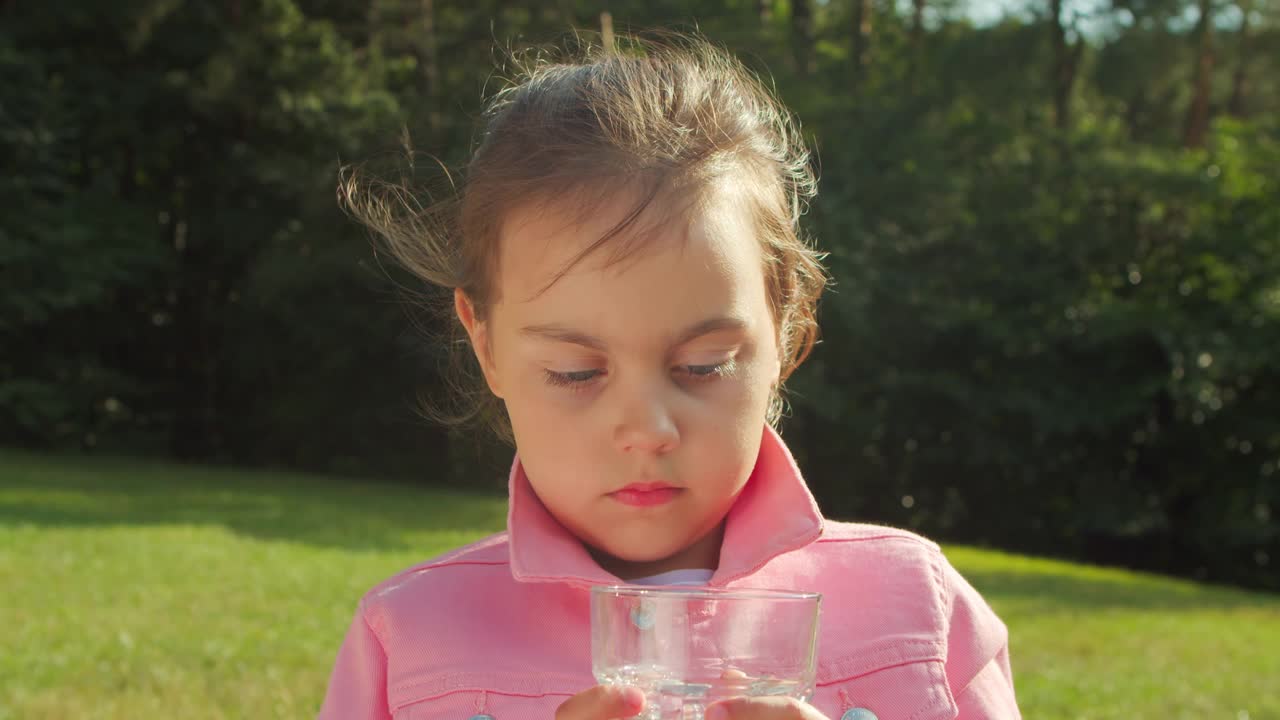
(637, 392)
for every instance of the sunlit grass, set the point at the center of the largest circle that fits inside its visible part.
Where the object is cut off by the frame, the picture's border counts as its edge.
(1090, 642)
(143, 590)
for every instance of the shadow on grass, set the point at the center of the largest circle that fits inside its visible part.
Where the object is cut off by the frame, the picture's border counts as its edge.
(1086, 589)
(81, 491)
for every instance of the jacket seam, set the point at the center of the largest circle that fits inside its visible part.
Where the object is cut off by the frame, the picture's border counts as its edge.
(1004, 647)
(404, 576)
(895, 654)
(377, 635)
(797, 542)
(945, 598)
(789, 545)
(940, 692)
(488, 691)
(453, 557)
(927, 544)
(450, 684)
(451, 563)
(873, 671)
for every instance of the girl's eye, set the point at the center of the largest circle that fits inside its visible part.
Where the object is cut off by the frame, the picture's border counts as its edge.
(709, 372)
(580, 379)
(570, 379)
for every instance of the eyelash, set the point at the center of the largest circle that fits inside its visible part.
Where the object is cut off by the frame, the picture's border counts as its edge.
(578, 380)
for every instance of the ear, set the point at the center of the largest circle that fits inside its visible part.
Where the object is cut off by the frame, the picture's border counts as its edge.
(775, 371)
(478, 333)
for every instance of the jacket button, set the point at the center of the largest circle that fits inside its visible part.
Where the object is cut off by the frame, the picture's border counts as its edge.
(858, 714)
(642, 617)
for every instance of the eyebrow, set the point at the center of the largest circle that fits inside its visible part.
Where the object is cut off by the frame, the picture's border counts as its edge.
(560, 333)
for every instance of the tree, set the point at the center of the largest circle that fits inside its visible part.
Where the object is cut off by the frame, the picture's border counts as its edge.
(1053, 328)
(1197, 124)
(1239, 76)
(764, 11)
(1066, 61)
(863, 22)
(802, 35)
(917, 37)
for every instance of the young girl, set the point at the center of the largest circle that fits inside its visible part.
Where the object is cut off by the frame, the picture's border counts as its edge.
(625, 263)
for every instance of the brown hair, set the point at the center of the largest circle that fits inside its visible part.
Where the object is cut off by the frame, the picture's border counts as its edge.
(672, 117)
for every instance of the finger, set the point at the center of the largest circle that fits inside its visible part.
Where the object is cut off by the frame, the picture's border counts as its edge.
(762, 708)
(602, 702)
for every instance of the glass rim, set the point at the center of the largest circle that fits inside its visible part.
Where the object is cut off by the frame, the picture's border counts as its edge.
(702, 593)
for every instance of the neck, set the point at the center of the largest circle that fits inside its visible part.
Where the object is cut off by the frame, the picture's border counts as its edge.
(704, 553)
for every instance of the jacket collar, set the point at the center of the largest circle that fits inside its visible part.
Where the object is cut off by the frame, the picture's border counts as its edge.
(774, 514)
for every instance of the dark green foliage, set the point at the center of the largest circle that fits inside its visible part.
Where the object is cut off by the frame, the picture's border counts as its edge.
(1054, 339)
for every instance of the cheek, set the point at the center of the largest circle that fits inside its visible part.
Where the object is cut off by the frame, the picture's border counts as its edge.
(536, 419)
(747, 395)
(544, 410)
(725, 430)
(551, 435)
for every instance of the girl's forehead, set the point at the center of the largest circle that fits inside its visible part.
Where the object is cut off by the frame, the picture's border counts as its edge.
(546, 245)
(684, 274)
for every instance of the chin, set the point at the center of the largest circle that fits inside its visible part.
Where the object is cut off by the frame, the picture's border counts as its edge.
(648, 554)
(640, 551)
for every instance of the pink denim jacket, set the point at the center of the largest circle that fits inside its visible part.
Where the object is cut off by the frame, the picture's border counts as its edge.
(500, 628)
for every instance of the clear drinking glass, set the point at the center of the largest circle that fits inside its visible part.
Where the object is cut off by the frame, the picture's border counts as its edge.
(686, 648)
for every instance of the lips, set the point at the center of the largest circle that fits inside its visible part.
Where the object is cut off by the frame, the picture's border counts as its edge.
(646, 494)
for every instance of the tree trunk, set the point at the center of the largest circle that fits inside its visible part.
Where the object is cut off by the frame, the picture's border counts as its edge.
(129, 174)
(1066, 62)
(194, 430)
(1239, 77)
(916, 39)
(565, 13)
(431, 64)
(1198, 113)
(917, 22)
(802, 35)
(764, 10)
(863, 18)
(373, 22)
(1134, 109)
(606, 31)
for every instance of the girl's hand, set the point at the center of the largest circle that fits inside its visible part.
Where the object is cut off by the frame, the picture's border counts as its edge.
(602, 702)
(762, 708)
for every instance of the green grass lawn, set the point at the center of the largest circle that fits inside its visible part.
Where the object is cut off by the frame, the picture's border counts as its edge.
(146, 590)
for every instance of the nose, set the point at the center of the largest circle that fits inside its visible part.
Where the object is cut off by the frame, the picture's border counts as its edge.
(646, 424)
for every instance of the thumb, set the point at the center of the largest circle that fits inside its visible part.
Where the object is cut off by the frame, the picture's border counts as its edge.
(602, 702)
